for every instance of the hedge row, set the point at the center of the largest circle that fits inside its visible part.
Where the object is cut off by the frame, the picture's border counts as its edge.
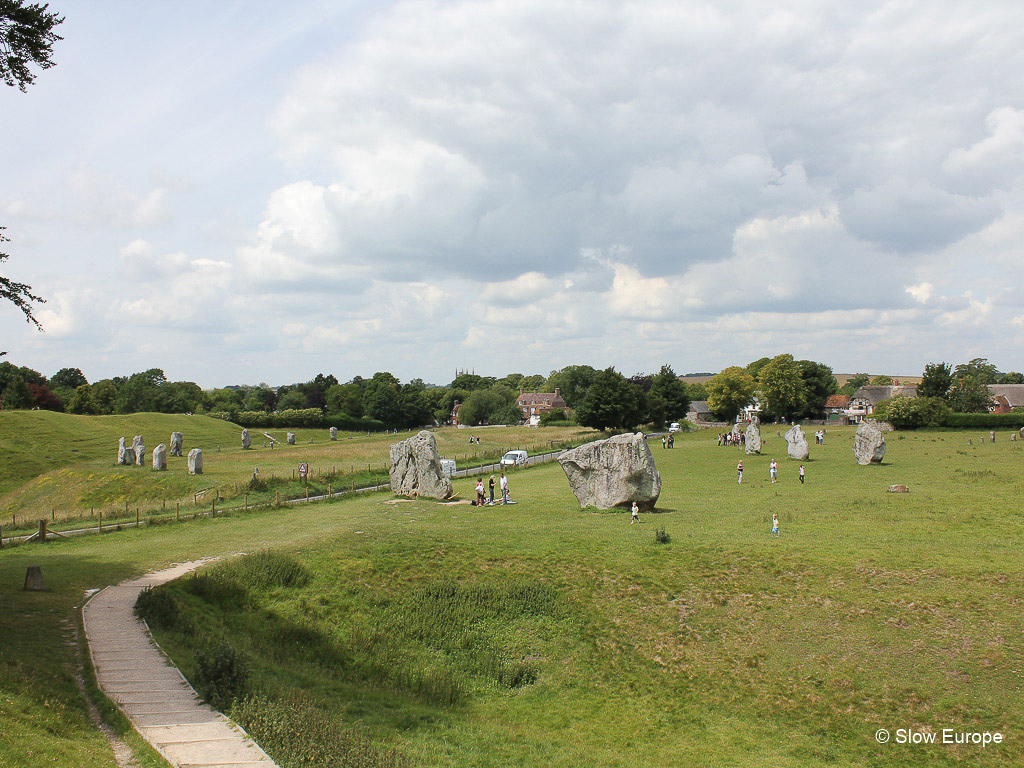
(1014, 420)
(304, 418)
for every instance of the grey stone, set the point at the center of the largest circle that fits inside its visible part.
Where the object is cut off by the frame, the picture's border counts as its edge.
(195, 461)
(737, 430)
(160, 457)
(752, 440)
(140, 450)
(796, 443)
(122, 452)
(613, 473)
(416, 468)
(34, 579)
(291, 438)
(334, 433)
(246, 440)
(869, 444)
(176, 442)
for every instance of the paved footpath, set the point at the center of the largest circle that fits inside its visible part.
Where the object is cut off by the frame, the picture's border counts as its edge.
(135, 674)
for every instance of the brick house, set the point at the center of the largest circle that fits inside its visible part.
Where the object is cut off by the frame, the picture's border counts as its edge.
(535, 404)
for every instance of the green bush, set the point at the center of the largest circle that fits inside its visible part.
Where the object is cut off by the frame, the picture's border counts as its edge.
(266, 570)
(1013, 420)
(158, 608)
(661, 536)
(299, 735)
(220, 674)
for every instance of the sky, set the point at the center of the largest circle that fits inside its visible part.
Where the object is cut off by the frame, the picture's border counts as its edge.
(262, 191)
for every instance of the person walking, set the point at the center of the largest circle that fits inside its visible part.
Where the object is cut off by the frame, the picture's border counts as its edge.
(775, 522)
(490, 485)
(773, 471)
(739, 472)
(801, 474)
(503, 483)
(635, 516)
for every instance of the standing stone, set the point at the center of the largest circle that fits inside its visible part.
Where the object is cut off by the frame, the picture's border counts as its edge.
(291, 438)
(868, 444)
(195, 461)
(246, 440)
(334, 433)
(736, 431)
(796, 444)
(416, 468)
(613, 473)
(753, 437)
(122, 452)
(140, 450)
(176, 440)
(34, 579)
(160, 457)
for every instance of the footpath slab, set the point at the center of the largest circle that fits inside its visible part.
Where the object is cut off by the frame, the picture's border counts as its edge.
(153, 694)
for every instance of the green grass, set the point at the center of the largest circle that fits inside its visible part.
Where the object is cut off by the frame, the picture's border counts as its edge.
(62, 466)
(542, 634)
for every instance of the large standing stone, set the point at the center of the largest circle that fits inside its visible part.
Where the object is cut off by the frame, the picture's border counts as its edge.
(160, 457)
(737, 430)
(246, 440)
(122, 452)
(869, 443)
(291, 438)
(416, 468)
(176, 441)
(613, 473)
(752, 440)
(796, 443)
(195, 461)
(334, 433)
(140, 450)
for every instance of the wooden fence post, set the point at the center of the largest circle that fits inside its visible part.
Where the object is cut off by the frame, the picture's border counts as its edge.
(177, 511)
(42, 531)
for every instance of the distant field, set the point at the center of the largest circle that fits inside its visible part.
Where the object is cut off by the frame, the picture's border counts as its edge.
(62, 465)
(542, 635)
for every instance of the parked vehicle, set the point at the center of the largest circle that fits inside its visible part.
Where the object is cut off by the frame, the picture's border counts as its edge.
(514, 458)
(674, 427)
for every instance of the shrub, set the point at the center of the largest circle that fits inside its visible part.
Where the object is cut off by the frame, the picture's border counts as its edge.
(299, 734)
(220, 674)
(158, 608)
(266, 570)
(661, 536)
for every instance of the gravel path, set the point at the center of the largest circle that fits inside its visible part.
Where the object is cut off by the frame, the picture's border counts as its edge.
(135, 674)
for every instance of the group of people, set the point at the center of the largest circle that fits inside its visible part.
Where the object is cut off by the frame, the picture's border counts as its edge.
(668, 442)
(819, 437)
(773, 472)
(732, 438)
(481, 498)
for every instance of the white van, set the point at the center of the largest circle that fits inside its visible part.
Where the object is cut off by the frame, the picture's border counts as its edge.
(514, 458)
(448, 467)
(674, 427)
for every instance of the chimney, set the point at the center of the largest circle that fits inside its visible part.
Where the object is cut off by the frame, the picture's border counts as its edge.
(558, 392)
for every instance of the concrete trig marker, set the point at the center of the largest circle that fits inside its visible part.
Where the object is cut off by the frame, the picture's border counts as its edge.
(34, 579)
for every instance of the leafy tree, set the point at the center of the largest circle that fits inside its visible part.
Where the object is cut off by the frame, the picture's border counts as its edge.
(228, 400)
(910, 413)
(730, 392)
(969, 394)
(346, 399)
(882, 381)
(573, 381)
(1013, 377)
(936, 380)
(68, 378)
(490, 406)
(782, 387)
(819, 383)
(931, 411)
(17, 396)
(695, 390)
(44, 398)
(26, 38)
(671, 396)
(978, 368)
(81, 401)
(140, 392)
(104, 394)
(293, 399)
(258, 398)
(611, 402)
(382, 399)
(754, 368)
(854, 383)
(552, 416)
(471, 382)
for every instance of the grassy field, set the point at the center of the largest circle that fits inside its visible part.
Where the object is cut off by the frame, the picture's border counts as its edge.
(540, 634)
(63, 467)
